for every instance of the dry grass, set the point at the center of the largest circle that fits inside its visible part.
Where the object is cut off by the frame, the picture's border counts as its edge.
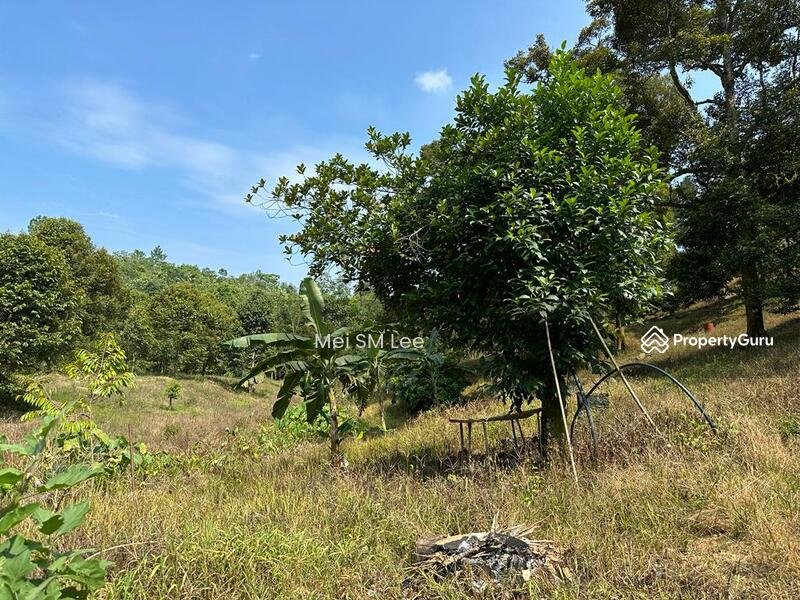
(205, 413)
(690, 515)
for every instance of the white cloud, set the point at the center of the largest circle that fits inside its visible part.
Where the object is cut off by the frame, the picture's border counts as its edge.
(254, 56)
(434, 81)
(105, 122)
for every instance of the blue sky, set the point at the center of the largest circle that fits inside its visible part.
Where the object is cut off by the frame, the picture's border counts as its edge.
(148, 122)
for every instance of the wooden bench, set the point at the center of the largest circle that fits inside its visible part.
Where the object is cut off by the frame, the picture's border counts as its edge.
(514, 418)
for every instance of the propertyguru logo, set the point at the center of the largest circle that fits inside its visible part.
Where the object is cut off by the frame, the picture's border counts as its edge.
(655, 340)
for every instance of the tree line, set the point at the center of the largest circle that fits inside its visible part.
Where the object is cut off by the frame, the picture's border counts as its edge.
(59, 292)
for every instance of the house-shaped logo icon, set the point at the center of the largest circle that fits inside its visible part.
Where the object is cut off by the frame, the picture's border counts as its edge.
(655, 340)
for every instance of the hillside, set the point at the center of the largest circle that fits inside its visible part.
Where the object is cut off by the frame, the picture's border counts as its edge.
(247, 512)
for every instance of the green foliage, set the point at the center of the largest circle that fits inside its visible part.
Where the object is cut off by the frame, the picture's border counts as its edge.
(742, 206)
(375, 382)
(38, 304)
(259, 300)
(78, 438)
(32, 567)
(737, 218)
(310, 368)
(103, 297)
(429, 378)
(421, 388)
(295, 425)
(529, 206)
(77, 427)
(186, 325)
(173, 392)
(104, 371)
(789, 428)
(346, 309)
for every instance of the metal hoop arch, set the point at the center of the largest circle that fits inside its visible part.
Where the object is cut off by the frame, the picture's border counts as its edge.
(585, 405)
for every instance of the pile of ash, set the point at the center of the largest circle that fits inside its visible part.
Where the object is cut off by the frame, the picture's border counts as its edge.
(492, 557)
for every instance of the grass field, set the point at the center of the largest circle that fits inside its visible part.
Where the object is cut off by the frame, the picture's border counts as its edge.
(250, 514)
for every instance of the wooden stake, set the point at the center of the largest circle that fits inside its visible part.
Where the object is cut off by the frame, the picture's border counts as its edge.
(130, 448)
(622, 375)
(561, 403)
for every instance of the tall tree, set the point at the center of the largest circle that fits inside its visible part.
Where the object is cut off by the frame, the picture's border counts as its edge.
(188, 326)
(529, 207)
(104, 297)
(38, 304)
(732, 221)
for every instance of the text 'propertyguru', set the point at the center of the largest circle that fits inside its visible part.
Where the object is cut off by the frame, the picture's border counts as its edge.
(725, 341)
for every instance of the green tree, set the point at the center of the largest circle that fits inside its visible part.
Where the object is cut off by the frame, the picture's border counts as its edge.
(103, 371)
(661, 112)
(104, 297)
(187, 325)
(733, 225)
(38, 304)
(138, 337)
(173, 392)
(529, 206)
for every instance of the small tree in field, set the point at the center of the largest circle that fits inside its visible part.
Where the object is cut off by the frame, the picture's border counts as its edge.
(104, 370)
(530, 207)
(311, 369)
(173, 392)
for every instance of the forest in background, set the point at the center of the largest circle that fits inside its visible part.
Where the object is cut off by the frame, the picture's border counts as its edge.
(168, 318)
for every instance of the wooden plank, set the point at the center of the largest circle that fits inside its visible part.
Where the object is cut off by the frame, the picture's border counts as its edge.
(525, 414)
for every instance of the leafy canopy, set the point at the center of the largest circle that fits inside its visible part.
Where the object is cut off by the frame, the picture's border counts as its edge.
(737, 216)
(104, 299)
(528, 206)
(38, 303)
(33, 560)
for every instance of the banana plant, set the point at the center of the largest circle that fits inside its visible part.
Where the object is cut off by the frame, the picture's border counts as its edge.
(313, 364)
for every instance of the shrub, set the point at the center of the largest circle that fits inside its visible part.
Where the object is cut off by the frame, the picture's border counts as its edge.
(789, 428)
(423, 385)
(295, 425)
(30, 567)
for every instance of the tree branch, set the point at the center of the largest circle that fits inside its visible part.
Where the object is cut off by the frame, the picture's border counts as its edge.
(684, 171)
(672, 205)
(676, 81)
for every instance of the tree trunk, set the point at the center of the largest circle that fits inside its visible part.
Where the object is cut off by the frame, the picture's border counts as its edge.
(753, 301)
(620, 334)
(382, 410)
(337, 460)
(751, 279)
(554, 438)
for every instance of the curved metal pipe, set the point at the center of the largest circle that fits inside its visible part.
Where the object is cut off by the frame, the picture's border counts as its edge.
(675, 380)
